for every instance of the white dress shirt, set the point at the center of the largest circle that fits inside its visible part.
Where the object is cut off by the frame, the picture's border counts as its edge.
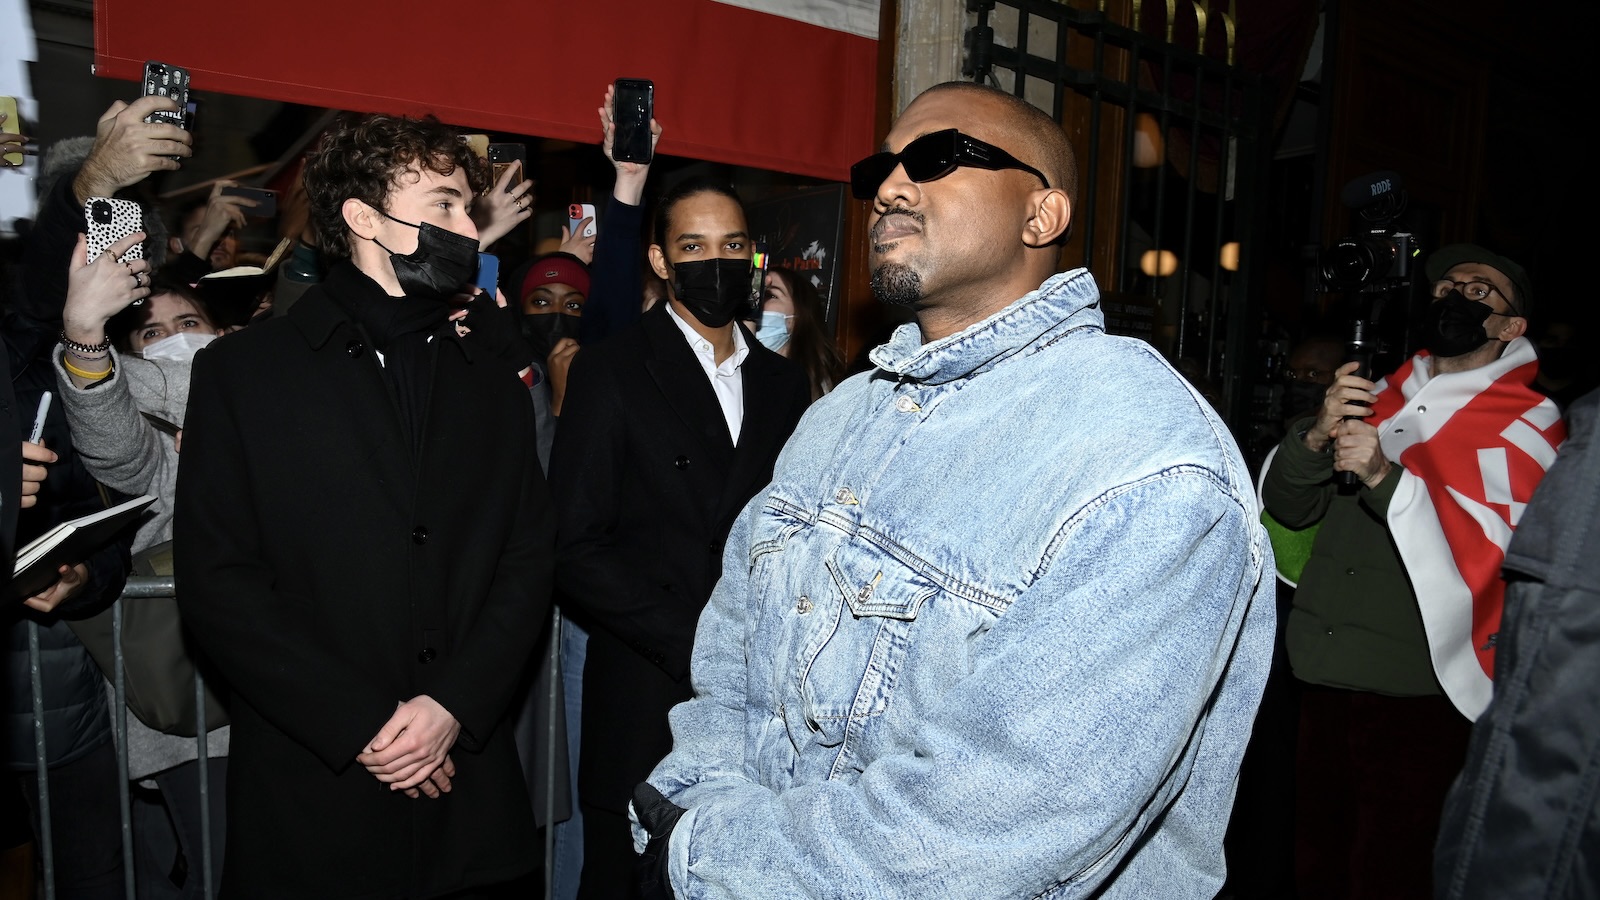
(726, 379)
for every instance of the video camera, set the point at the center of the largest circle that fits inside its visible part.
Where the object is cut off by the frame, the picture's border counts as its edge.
(1372, 267)
(1381, 259)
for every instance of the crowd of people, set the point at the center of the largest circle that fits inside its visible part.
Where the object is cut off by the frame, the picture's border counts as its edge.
(793, 655)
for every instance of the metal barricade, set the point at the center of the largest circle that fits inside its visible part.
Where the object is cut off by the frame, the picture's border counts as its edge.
(141, 587)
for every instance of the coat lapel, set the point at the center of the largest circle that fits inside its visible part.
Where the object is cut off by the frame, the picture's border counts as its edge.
(344, 354)
(762, 431)
(688, 392)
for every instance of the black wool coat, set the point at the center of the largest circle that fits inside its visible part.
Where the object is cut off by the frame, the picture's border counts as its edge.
(647, 483)
(330, 575)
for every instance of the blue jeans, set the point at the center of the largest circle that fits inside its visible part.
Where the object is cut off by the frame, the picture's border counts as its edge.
(567, 848)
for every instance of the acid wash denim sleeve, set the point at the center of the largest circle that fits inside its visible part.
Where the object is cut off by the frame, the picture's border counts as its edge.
(998, 628)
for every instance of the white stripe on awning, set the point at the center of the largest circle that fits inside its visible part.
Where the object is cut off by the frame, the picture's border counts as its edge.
(858, 17)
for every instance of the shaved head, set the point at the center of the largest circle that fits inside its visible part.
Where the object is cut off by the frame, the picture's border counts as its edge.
(1031, 135)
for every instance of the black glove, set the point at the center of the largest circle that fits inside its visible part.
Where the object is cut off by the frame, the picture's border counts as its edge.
(659, 816)
(497, 331)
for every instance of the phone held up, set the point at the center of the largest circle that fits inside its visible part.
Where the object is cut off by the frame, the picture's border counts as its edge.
(163, 80)
(632, 108)
(576, 213)
(110, 219)
(266, 201)
(501, 157)
(11, 125)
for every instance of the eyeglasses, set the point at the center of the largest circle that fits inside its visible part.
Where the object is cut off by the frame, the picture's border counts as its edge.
(931, 157)
(1310, 375)
(1476, 291)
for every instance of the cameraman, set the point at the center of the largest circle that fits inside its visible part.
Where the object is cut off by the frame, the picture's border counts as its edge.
(1391, 633)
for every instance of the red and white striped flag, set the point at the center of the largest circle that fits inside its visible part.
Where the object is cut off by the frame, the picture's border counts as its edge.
(1473, 445)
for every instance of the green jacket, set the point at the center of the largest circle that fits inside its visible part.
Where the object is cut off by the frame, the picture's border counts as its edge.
(1354, 623)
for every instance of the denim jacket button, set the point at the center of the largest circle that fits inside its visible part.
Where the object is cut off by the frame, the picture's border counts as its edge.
(803, 605)
(906, 404)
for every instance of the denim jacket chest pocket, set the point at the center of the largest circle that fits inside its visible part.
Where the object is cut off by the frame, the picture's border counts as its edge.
(849, 649)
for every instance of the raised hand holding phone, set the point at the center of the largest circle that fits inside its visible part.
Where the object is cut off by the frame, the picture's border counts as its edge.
(12, 141)
(98, 290)
(631, 175)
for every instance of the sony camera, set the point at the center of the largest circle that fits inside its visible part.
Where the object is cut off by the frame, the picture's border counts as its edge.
(1383, 257)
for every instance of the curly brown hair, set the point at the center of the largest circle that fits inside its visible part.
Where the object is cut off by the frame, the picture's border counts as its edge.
(362, 156)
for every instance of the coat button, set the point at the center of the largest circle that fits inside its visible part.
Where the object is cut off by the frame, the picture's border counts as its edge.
(906, 404)
(681, 462)
(355, 349)
(1350, 571)
(427, 655)
(803, 605)
(419, 534)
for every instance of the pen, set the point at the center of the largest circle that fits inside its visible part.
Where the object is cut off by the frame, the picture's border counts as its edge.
(38, 420)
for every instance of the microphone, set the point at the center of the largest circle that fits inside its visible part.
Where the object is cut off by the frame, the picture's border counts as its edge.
(1369, 189)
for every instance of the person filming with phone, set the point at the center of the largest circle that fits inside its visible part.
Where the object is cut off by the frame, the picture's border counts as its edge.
(1392, 630)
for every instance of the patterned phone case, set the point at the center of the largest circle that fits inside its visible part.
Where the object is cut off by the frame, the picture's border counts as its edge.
(110, 220)
(163, 80)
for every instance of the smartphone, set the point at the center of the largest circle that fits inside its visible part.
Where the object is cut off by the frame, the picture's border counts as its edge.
(12, 125)
(488, 273)
(266, 201)
(758, 283)
(633, 104)
(479, 144)
(163, 80)
(109, 220)
(501, 157)
(576, 213)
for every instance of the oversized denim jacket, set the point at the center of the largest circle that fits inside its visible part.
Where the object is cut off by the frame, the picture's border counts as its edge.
(998, 628)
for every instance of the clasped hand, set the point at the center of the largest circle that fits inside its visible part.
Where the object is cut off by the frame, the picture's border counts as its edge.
(1340, 422)
(411, 752)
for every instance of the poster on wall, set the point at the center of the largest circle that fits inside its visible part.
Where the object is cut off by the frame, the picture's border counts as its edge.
(803, 230)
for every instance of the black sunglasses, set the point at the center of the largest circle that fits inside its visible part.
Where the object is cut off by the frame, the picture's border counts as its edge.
(931, 157)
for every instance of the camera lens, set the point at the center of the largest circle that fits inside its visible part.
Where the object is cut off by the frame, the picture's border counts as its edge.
(102, 213)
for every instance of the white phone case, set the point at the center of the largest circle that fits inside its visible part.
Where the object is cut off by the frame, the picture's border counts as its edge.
(110, 219)
(576, 213)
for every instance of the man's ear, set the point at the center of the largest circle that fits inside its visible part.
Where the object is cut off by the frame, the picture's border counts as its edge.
(360, 218)
(174, 245)
(1052, 213)
(1515, 327)
(658, 262)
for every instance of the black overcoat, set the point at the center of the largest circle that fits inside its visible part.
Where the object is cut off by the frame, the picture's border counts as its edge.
(330, 575)
(648, 482)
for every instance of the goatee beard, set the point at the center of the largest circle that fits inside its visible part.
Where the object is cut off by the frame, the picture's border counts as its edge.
(897, 285)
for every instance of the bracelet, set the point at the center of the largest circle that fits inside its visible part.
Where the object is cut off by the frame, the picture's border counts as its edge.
(89, 376)
(70, 344)
(95, 358)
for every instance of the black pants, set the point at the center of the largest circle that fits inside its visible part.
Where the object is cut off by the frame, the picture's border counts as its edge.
(85, 826)
(610, 867)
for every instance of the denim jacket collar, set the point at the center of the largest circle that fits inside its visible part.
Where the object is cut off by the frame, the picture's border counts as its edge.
(1065, 301)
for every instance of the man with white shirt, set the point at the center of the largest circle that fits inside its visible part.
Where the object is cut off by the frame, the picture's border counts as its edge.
(667, 429)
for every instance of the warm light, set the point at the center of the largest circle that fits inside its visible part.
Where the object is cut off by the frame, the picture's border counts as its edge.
(1148, 147)
(1229, 258)
(1158, 262)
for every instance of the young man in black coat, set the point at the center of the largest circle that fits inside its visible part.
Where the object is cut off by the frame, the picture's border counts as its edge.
(667, 429)
(364, 545)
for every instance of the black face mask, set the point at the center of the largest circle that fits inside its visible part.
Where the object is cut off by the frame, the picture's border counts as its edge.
(714, 290)
(443, 263)
(544, 330)
(1453, 325)
(1303, 397)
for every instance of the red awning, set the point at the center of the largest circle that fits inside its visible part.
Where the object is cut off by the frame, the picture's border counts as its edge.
(733, 85)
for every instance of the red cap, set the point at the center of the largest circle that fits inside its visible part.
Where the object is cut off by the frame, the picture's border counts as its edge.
(556, 269)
